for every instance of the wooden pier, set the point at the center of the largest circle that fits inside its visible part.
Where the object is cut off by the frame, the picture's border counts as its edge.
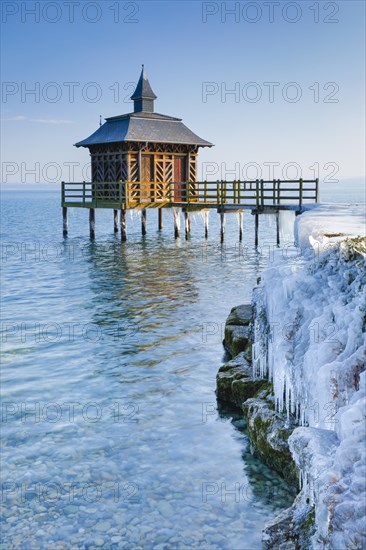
(259, 196)
(144, 160)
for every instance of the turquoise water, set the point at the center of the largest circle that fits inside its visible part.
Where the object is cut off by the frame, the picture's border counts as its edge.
(111, 433)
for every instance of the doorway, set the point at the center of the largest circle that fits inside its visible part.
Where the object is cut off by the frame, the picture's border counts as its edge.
(180, 177)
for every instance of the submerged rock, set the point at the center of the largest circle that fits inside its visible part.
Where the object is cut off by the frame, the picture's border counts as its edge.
(235, 382)
(269, 432)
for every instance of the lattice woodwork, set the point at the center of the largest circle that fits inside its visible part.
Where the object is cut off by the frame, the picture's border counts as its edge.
(159, 167)
(192, 172)
(168, 168)
(134, 167)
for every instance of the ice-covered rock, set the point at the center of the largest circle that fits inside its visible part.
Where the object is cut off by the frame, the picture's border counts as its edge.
(327, 224)
(292, 529)
(312, 450)
(309, 340)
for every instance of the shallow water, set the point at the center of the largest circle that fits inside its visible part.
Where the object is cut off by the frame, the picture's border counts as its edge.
(111, 433)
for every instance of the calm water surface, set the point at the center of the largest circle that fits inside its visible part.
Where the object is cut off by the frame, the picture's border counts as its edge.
(111, 433)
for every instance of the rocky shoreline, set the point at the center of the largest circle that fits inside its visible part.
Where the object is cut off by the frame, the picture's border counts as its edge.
(268, 429)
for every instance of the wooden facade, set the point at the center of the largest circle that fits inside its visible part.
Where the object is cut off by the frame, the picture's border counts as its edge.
(147, 150)
(152, 162)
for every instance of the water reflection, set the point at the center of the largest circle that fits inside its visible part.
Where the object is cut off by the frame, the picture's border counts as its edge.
(139, 370)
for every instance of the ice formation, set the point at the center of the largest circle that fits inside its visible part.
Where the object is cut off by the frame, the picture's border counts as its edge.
(310, 341)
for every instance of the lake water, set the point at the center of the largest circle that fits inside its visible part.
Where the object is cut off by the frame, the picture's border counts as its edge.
(111, 433)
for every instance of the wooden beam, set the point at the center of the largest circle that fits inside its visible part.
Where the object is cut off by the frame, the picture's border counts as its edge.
(278, 228)
(222, 228)
(139, 165)
(240, 221)
(64, 221)
(123, 225)
(115, 220)
(256, 229)
(176, 222)
(205, 218)
(92, 223)
(187, 224)
(160, 219)
(143, 221)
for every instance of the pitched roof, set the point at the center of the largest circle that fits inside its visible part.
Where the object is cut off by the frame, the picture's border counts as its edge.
(143, 88)
(142, 127)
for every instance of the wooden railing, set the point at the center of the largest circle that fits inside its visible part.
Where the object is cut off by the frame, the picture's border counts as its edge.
(222, 195)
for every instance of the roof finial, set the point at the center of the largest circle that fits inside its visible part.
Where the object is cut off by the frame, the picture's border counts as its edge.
(143, 97)
(100, 120)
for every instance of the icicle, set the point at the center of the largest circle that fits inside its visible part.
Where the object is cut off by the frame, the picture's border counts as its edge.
(287, 223)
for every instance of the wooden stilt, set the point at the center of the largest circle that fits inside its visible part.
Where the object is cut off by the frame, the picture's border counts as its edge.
(256, 229)
(92, 222)
(187, 224)
(176, 223)
(278, 228)
(160, 218)
(222, 231)
(205, 217)
(240, 226)
(123, 225)
(143, 221)
(115, 220)
(64, 221)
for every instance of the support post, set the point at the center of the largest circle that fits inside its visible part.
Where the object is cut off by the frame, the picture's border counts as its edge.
(176, 223)
(205, 217)
(143, 222)
(115, 220)
(240, 226)
(187, 224)
(256, 228)
(160, 218)
(262, 194)
(92, 222)
(123, 225)
(278, 228)
(222, 221)
(301, 192)
(64, 221)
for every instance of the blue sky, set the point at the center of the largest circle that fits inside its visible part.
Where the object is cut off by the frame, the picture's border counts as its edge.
(310, 49)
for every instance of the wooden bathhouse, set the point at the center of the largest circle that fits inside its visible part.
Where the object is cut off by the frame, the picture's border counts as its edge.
(145, 160)
(144, 145)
